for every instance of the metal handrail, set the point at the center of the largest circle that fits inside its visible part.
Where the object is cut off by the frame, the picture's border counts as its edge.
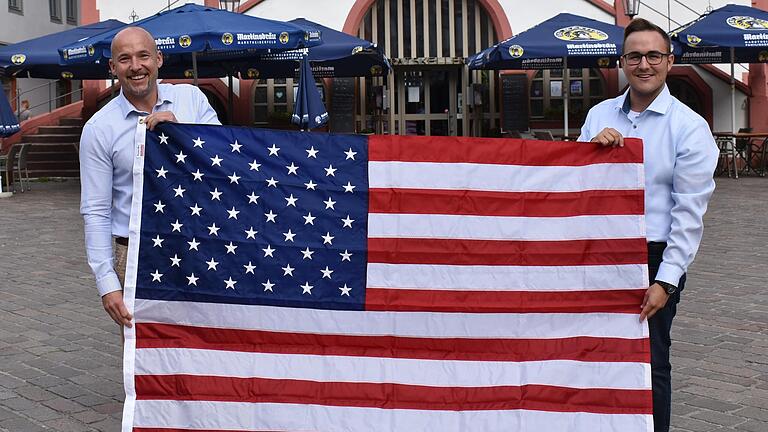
(49, 102)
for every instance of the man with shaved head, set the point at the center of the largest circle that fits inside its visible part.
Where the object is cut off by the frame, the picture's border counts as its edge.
(107, 151)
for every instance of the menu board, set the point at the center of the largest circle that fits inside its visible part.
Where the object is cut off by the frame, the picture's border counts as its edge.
(342, 109)
(514, 102)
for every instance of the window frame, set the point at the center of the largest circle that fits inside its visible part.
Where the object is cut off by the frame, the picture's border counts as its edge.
(54, 8)
(16, 6)
(72, 12)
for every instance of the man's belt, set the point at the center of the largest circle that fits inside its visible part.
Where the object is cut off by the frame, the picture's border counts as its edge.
(122, 241)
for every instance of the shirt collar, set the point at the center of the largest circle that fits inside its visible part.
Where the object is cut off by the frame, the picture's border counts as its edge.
(126, 107)
(659, 105)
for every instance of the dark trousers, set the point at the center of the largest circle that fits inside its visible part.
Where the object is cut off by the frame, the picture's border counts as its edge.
(659, 326)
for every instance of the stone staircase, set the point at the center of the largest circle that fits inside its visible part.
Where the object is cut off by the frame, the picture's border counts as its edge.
(54, 151)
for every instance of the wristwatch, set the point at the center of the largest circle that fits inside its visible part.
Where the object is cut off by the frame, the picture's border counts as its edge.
(668, 287)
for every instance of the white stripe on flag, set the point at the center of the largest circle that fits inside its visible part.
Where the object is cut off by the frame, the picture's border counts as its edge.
(412, 324)
(504, 228)
(437, 373)
(295, 417)
(508, 178)
(506, 278)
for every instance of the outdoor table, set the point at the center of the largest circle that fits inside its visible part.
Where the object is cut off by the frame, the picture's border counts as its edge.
(726, 142)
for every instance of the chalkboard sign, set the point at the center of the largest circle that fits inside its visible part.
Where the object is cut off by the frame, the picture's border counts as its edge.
(342, 109)
(514, 102)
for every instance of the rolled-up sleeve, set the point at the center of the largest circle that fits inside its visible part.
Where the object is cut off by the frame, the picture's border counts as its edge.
(692, 186)
(96, 206)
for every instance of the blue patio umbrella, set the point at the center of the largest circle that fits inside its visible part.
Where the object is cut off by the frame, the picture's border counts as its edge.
(189, 31)
(309, 111)
(10, 124)
(340, 55)
(39, 57)
(563, 41)
(730, 34)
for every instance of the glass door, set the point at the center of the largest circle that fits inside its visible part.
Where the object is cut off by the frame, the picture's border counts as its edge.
(428, 101)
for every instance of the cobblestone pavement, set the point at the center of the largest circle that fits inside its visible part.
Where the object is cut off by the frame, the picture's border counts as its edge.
(60, 354)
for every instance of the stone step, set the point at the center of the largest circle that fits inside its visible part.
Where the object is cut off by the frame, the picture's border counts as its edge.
(71, 121)
(60, 130)
(51, 138)
(53, 156)
(57, 172)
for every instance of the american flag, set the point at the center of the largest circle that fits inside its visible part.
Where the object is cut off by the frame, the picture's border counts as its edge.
(289, 281)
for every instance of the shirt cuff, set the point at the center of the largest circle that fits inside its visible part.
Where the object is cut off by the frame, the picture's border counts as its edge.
(669, 273)
(108, 284)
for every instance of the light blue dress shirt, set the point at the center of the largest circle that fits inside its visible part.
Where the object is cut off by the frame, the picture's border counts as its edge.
(680, 156)
(106, 169)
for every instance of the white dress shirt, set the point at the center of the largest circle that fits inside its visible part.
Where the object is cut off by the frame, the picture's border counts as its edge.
(680, 156)
(106, 169)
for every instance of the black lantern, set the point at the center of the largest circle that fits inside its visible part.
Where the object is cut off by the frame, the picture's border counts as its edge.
(229, 5)
(631, 7)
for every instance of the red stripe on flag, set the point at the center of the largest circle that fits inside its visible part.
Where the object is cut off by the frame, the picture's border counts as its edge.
(487, 203)
(591, 349)
(392, 395)
(499, 151)
(507, 252)
(413, 300)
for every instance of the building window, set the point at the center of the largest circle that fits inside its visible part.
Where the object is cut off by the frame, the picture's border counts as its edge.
(55, 7)
(547, 93)
(272, 103)
(72, 12)
(16, 6)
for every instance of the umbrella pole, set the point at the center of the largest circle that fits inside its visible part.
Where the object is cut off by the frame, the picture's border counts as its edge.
(733, 90)
(565, 96)
(230, 98)
(194, 68)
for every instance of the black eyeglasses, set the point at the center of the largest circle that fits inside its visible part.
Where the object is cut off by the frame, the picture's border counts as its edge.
(653, 57)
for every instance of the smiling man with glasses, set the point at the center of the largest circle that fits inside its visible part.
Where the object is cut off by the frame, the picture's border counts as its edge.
(680, 156)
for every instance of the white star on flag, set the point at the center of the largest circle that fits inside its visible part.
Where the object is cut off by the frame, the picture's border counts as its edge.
(215, 194)
(307, 253)
(306, 288)
(347, 222)
(250, 233)
(328, 238)
(271, 216)
(292, 169)
(326, 272)
(291, 201)
(175, 260)
(309, 219)
(233, 213)
(346, 256)
(177, 226)
(234, 178)
(311, 152)
(195, 210)
(252, 198)
(345, 290)
(288, 270)
(159, 206)
(181, 157)
(310, 185)
(230, 283)
(156, 276)
(216, 161)
(350, 154)
(198, 142)
(330, 171)
(349, 188)
(162, 172)
(289, 236)
(158, 242)
(329, 203)
(271, 182)
(236, 147)
(231, 248)
(213, 229)
(268, 285)
(273, 150)
(163, 138)
(193, 244)
(254, 166)
(198, 175)
(179, 192)
(212, 264)
(249, 268)
(269, 251)
(192, 279)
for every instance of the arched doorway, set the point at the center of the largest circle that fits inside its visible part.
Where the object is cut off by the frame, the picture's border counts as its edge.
(427, 42)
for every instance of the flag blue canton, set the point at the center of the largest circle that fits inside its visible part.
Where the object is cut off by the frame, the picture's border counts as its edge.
(248, 216)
